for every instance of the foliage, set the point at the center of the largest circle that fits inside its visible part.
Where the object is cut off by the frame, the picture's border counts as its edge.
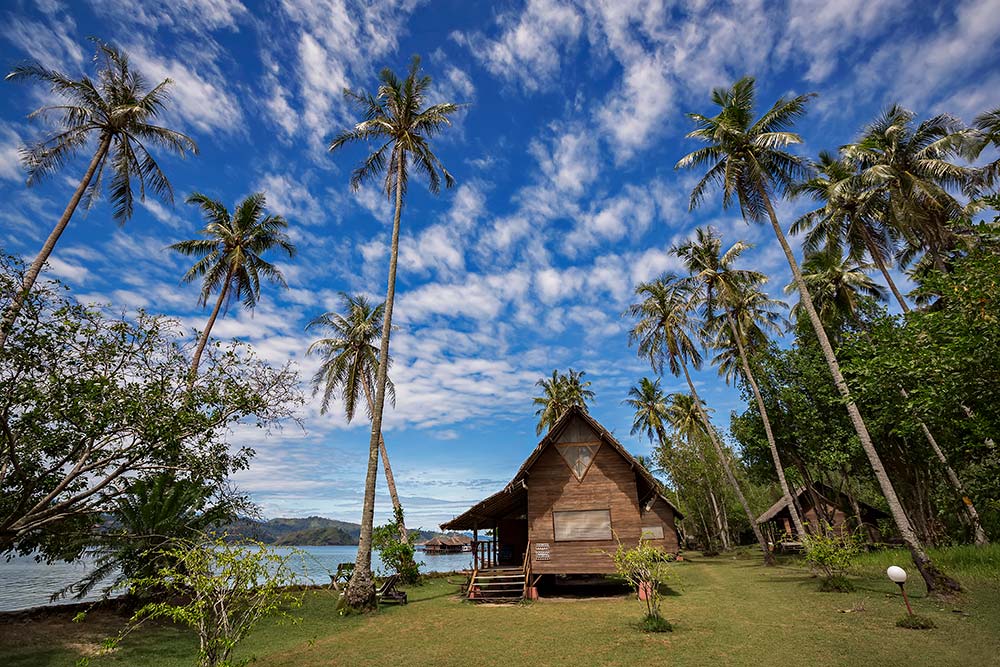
(89, 401)
(644, 567)
(831, 553)
(153, 513)
(968, 562)
(220, 590)
(395, 554)
(559, 393)
(915, 622)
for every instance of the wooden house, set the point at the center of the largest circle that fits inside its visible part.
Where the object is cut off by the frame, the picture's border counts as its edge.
(565, 509)
(447, 544)
(818, 507)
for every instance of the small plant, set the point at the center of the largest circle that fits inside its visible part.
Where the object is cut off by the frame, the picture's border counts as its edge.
(396, 555)
(915, 622)
(221, 590)
(646, 571)
(832, 554)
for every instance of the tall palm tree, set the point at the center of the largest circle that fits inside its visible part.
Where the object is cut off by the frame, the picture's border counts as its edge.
(559, 394)
(119, 111)
(719, 286)
(912, 166)
(748, 160)
(852, 216)
(350, 362)
(661, 333)
(231, 256)
(988, 126)
(396, 120)
(650, 417)
(836, 285)
(684, 416)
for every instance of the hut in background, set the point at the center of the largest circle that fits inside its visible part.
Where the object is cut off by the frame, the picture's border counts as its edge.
(820, 506)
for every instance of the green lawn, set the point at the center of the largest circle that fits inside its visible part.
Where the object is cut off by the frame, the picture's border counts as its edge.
(726, 612)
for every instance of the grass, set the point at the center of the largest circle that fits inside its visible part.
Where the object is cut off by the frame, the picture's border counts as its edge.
(969, 563)
(729, 611)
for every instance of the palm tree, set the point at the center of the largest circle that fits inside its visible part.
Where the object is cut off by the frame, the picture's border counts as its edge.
(719, 284)
(684, 416)
(988, 126)
(119, 111)
(559, 394)
(661, 332)
(911, 166)
(650, 418)
(350, 361)
(851, 215)
(748, 160)
(230, 256)
(397, 121)
(836, 285)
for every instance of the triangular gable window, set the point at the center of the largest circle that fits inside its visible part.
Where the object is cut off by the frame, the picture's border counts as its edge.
(579, 456)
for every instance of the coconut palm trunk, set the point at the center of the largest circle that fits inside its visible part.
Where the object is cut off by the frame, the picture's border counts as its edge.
(389, 479)
(203, 340)
(10, 317)
(935, 580)
(361, 589)
(724, 462)
(775, 457)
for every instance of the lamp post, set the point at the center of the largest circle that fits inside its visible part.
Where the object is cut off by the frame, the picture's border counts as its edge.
(898, 576)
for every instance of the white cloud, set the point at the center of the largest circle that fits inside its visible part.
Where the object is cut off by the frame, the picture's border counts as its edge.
(10, 160)
(289, 196)
(569, 160)
(187, 15)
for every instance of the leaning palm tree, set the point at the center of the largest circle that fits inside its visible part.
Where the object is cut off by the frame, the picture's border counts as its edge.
(559, 394)
(119, 111)
(230, 256)
(350, 361)
(912, 166)
(748, 160)
(852, 216)
(663, 321)
(650, 417)
(398, 123)
(720, 285)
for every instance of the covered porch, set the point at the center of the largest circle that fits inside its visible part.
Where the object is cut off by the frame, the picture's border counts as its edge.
(505, 514)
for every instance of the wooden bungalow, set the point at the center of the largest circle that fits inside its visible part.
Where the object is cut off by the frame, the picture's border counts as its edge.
(818, 507)
(564, 510)
(448, 544)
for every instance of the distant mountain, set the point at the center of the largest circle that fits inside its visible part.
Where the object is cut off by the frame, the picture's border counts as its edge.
(308, 532)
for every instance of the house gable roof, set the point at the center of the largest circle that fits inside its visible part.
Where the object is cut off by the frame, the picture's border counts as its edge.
(516, 490)
(827, 493)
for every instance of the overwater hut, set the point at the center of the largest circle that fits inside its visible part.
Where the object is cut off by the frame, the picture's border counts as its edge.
(564, 510)
(819, 506)
(448, 544)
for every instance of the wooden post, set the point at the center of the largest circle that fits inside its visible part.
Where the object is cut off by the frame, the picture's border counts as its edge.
(475, 548)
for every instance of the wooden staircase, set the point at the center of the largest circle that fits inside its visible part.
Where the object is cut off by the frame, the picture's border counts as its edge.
(499, 584)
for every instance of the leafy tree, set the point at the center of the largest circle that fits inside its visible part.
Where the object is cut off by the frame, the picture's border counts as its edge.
(220, 590)
(90, 400)
(145, 521)
(646, 569)
(230, 256)
(117, 109)
(559, 394)
(350, 362)
(661, 333)
(396, 553)
(748, 160)
(720, 285)
(396, 119)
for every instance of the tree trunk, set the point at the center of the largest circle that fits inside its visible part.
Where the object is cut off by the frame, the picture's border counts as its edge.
(716, 512)
(31, 275)
(936, 581)
(361, 589)
(203, 341)
(768, 557)
(880, 263)
(748, 374)
(390, 481)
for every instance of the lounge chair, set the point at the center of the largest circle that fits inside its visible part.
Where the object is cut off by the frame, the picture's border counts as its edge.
(387, 591)
(344, 572)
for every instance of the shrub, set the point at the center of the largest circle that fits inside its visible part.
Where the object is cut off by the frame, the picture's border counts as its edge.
(396, 555)
(832, 554)
(644, 566)
(915, 622)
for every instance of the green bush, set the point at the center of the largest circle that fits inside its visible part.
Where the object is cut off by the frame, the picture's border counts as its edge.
(655, 624)
(396, 555)
(645, 566)
(916, 622)
(832, 554)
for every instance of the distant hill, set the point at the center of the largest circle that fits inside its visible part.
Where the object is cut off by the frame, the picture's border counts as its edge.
(308, 532)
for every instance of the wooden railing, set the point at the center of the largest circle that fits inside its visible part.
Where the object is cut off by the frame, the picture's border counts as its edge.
(482, 555)
(526, 567)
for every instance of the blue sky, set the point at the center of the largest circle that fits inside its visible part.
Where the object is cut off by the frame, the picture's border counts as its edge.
(566, 192)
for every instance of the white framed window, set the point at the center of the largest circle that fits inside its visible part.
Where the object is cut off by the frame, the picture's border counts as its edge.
(580, 525)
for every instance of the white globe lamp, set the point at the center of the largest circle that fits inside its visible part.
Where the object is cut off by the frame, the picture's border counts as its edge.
(898, 577)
